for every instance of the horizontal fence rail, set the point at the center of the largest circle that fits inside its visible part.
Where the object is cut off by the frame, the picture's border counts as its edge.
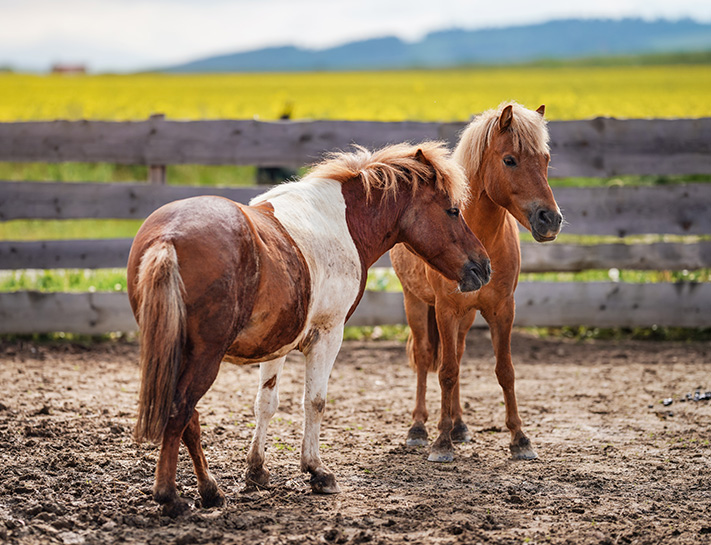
(617, 211)
(556, 257)
(76, 200)
(538, 304)
(596, 147)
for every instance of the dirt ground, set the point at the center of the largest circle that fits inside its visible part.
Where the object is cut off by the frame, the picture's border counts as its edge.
(616, 466)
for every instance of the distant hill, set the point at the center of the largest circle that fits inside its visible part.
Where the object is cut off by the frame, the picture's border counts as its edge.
(554, 40)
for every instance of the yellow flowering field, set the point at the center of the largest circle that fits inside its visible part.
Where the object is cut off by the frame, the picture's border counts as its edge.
(424, 95)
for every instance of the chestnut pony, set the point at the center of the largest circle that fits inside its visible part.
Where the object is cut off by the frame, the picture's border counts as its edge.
(211, 280)
(505, 155)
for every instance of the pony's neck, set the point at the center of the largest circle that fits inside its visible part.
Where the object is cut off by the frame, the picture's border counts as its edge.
(482, 214)
(371, 222)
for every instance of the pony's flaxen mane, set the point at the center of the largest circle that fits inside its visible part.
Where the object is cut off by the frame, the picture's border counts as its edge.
(385, 168)
(528, 130)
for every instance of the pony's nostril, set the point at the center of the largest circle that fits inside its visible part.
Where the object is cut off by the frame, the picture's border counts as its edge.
(549, 218)
(545, 217)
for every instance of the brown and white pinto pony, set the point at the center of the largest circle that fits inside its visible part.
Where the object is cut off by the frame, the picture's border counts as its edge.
(505, 155)
(211, 280)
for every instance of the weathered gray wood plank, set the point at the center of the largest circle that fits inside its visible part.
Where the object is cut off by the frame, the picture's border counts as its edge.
(619, 211)
(85, 313)
(237, 142)
(593, 304)
(610, 147)
(540, 304)
(609, 304)
(65, 254)
(593, 147)
(561, 257)
(664, 256)
(555, 257)
(63, 200)
(633, 210)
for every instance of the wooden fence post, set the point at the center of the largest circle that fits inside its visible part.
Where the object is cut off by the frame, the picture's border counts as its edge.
(156, 173)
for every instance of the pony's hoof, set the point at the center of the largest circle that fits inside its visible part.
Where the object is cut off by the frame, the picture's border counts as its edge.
(442, 449)
(460, 433)
(175, 508)
(440, 456)
(211, 496)
(172, 504)
(522, 450)
(323, 482)
(256, 477)
(417, 436)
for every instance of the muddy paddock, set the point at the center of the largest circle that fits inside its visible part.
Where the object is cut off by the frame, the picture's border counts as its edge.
(616, 464)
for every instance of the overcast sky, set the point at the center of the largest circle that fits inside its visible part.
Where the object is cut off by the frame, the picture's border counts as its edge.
(126, 35)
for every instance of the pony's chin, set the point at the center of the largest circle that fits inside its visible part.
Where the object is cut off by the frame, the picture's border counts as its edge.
(543, 238)
(468, 285)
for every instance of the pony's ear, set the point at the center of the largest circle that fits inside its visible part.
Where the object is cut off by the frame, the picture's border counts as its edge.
(506, 118)
(420, 156)
(541, 109)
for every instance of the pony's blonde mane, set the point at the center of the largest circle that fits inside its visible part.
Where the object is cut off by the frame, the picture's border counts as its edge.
(528, 130)
(385, 168)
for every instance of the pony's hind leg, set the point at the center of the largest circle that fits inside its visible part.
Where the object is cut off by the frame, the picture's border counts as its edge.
(210, 493)
(164, 489)
(421, 353)
(198, 374)
(265, 406)
(500, 324)
(319, 362)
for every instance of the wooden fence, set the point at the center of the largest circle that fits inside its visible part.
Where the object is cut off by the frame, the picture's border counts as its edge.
(598, 147)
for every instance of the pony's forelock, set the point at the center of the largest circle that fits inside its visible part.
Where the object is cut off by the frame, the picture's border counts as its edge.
(528, 131)
(386, 168)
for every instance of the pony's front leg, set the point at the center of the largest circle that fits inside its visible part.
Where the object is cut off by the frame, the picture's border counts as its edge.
(421, 353)
(460, 432)
(265, 406)
(319, 362)
(448, 326)
(500, 324)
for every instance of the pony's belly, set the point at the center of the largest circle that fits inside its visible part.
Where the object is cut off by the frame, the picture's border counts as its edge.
(235, 355)
(278, 319)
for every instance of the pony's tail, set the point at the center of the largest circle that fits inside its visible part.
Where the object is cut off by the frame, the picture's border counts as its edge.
(161, 317)
(433, 337)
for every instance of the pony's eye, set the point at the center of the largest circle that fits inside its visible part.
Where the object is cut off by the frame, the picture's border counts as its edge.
(510, 161)
(453, 212)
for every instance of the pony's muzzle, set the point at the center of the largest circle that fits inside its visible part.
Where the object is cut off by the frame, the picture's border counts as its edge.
(475, 274)
(545, 224)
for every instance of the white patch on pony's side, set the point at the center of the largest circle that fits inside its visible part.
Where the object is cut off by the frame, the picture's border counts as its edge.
(313, 211)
